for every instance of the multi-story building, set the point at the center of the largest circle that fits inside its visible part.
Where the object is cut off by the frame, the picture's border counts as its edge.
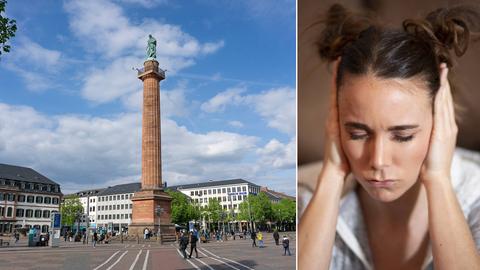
(114, 207)
(27, 199)
(89, 200)
(230, 193)
(275, 196)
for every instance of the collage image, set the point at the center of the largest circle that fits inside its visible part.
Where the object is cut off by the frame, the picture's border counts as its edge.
(252, 134)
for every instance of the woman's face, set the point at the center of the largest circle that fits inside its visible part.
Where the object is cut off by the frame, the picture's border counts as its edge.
(385, 127)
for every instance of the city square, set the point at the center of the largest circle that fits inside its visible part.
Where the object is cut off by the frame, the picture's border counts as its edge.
(232, 254)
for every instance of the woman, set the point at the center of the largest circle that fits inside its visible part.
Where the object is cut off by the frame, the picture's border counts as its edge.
(391, 126)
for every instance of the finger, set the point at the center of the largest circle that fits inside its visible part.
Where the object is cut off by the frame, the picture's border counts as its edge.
(446, 112)
(451, 104)
(438, 112)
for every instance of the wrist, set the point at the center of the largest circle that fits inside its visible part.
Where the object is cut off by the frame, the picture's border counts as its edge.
(433, 181)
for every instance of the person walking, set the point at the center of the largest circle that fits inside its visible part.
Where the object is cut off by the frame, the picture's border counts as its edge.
(286, 246)
(254, 238)
(95, 239)
(193, 244)
(145, 234)
(183, 244)
(276, 236)
(260, 240)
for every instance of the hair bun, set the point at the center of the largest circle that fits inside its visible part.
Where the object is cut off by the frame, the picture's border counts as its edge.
(341, 28)
(447, 29)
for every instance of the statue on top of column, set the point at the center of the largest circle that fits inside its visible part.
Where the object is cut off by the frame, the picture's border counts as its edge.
(151, 48)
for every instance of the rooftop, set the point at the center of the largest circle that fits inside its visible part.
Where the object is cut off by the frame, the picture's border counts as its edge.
(18, 173)
(121, 189)
(212, 184)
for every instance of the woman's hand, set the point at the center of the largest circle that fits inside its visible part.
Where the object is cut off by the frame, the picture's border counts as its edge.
(437, 164)
(334, 157)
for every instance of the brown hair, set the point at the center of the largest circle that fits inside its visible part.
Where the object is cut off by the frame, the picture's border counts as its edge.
(412, 52)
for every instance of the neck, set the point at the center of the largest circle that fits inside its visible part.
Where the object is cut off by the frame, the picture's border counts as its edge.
(399, 212)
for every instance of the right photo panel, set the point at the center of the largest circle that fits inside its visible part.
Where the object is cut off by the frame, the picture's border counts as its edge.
(388, 135)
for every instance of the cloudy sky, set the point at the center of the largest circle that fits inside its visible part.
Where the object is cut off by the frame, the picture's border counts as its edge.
(70, 101)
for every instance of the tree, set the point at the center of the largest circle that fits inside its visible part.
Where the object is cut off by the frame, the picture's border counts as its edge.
(183, 210)
(71, 209)
(261, 208)
(8, 27)
(213, 211)
(284, 212)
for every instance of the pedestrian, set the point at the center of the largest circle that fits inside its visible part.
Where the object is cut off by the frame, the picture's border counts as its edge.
(145, 234)
(95, 239)
(260, 239)
(276, 236)
(17, 236)
(193, 244)
(245, 234)
(183, 244)
(286, 246)
(65, 235)
(254, 238)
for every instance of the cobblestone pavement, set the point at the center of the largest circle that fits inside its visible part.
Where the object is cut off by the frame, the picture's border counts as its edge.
(237, 255)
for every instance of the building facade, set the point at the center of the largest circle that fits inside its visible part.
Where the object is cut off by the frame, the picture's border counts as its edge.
(114, 207)
(27, 199)
(89, 199)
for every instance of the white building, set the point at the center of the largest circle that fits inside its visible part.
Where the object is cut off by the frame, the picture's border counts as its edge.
(114, 206)
(230, 193)
(27, 199)
(89, 199)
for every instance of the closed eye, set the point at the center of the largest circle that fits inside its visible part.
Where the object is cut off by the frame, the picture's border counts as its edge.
(398, 138)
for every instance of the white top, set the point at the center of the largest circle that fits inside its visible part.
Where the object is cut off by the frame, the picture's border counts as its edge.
(351, 250)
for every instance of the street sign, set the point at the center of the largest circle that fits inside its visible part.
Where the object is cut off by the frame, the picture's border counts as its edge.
(237, 193)
(56, 221)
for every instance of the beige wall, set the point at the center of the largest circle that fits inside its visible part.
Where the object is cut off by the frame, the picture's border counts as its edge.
(314, 78)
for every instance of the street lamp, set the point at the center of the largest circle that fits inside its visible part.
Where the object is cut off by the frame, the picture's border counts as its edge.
(159, 210)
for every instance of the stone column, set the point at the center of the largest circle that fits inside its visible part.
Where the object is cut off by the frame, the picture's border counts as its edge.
(151, 128)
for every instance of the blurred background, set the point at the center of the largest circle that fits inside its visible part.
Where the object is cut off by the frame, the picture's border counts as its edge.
(314, 78)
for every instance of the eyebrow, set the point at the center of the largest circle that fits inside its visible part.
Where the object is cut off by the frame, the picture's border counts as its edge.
(365, 127)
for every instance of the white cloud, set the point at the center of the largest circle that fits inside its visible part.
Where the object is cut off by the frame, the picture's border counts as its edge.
(145, 3)
(83, 151)
(276, 106)
(220, 101)
(113, 34)
(104, 30)
(34, 54)
(236, 124)
(279, 155)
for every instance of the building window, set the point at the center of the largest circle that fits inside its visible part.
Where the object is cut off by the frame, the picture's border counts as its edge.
(234, 197)
(114, 207)
(123, 197)
(11, 197)
(19, 212)
(38, 213)
(131, 196)
(234, 189)
(28, 186)
(209, 191)
(44, 188)
(244, 197)
(55, 201)
(121, 216)
(223, 190)
(29, 213)
(9, 211)
(30, 199)
(214, 191)
(244, 188)
(36, 187)
(39, 199)
(47, 200)
(224, 207)
(229, 206)
(130, 206)
(224, 198)
(228, 190)
(122, 206)
(109, 216)
(191, 193)
(109, 207)
(126, 206)
(109, 198)
(46, 214)
(118, 216)
(196, 200)
(44, 228)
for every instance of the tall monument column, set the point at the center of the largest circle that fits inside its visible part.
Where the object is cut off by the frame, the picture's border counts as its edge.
(151, 205)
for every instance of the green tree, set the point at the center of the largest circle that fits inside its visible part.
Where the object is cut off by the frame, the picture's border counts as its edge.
(183, 210)
(8, 27)
(71, 209)
(284, 212)
(213, 211)
(261, 208)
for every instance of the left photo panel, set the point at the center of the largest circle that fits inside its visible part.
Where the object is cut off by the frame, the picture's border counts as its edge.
(148, 134)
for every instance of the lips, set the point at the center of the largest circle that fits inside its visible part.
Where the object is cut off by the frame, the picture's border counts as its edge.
(381, 183)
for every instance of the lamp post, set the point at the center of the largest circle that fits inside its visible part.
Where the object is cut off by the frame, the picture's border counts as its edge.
(159, 210)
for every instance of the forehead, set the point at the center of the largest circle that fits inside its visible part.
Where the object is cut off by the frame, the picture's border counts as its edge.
(385, 102)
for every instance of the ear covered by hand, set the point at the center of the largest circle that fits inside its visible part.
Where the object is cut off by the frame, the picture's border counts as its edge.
(443, 138)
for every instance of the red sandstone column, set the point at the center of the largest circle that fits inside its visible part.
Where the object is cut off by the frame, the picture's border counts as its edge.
(151, 128)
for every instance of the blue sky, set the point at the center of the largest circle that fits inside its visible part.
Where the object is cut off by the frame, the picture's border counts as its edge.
(70, 102)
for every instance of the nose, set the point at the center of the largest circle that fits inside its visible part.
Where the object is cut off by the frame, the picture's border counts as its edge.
(379, 155)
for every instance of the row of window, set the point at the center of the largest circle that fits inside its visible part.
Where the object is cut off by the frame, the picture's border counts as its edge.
(30, 186)
(114, 207)
(115, 197)
(20, 212)
(222, 199)
(113, 216)
(30, 199)
(218, 190)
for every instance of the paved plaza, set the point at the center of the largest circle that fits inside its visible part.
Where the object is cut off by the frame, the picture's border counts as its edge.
(232, 254)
